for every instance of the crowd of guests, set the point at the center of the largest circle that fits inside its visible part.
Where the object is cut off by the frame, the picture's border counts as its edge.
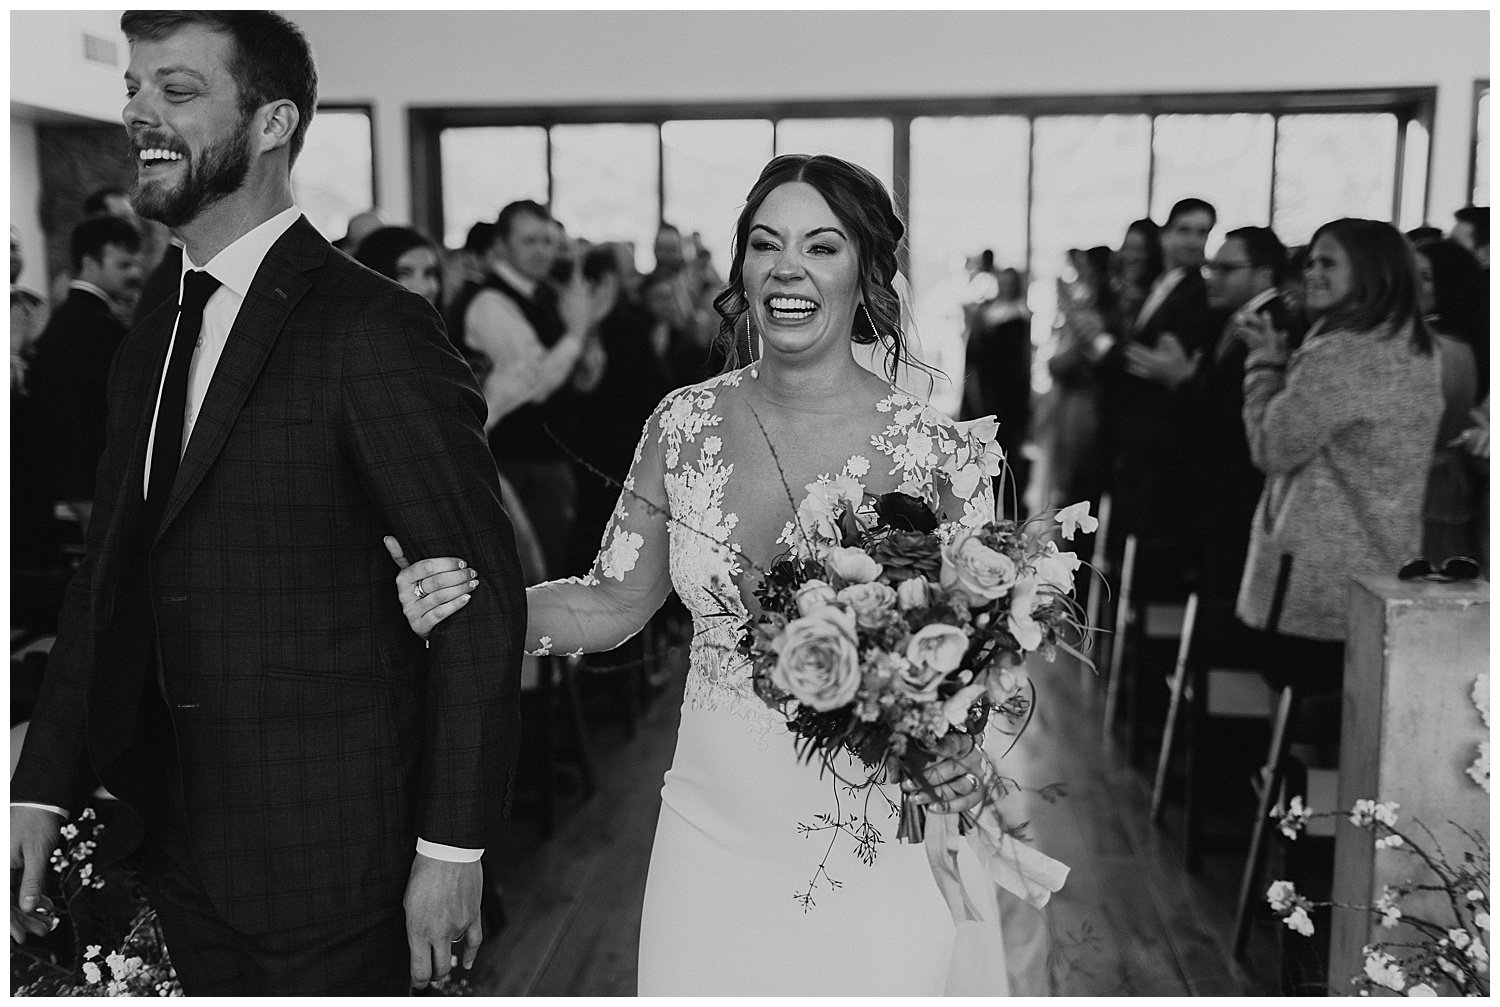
(1270, 421)
(573, 346)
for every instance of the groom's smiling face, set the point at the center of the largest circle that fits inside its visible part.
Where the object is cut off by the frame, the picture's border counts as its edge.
(189, 134)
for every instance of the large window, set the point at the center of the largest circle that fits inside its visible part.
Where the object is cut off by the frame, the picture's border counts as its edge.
(960, 206)
(1481, 170)
(604, 182)
(867, 142)
(1027, 178)
(707, 167)
(334, 177)
(1330, 166)
(1225, 159)
(487, 167)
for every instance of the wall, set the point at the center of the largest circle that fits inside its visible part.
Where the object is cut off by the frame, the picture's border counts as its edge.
(394, 59)
(49, 70)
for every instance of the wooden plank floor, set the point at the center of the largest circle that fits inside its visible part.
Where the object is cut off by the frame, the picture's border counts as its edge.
(1130, 922)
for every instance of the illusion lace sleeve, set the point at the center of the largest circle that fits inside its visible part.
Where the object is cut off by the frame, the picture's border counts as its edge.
(629, 580)
(965, 485)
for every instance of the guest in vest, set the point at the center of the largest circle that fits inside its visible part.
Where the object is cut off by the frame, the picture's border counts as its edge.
(533, 337)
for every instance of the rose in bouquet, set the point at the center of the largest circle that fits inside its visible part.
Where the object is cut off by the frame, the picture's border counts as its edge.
(886, 632)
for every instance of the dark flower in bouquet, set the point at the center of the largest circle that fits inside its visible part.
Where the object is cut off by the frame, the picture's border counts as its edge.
(904, 512)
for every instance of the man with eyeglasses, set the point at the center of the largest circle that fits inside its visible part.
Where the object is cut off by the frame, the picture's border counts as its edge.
(1243, 280)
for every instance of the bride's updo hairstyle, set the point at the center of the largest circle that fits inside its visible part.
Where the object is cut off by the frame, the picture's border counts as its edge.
(860, 202)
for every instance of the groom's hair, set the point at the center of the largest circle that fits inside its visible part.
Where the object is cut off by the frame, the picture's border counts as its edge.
(272, 60)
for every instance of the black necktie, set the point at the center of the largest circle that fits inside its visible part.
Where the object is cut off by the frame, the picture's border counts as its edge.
(197, 287)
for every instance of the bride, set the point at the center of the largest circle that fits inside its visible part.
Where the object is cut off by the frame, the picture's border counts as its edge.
(746, 895)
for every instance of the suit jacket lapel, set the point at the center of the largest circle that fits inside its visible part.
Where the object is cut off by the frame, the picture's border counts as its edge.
(279, 284)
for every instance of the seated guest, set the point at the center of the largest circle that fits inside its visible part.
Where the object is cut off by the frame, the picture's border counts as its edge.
(1445, 269)
(407, 256)
(71, 369)
(1343, 427)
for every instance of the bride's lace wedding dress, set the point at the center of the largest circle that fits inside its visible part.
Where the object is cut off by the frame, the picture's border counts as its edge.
(743, 898)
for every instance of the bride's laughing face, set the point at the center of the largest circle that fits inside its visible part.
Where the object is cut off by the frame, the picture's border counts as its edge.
(801, 273)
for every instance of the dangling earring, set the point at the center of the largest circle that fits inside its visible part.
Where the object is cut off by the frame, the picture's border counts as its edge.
(874, 332)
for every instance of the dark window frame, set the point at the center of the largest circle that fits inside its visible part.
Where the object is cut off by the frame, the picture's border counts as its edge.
(1481, 88)
(426, 123)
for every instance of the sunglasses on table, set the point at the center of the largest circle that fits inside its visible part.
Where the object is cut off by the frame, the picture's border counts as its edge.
(1453, 568)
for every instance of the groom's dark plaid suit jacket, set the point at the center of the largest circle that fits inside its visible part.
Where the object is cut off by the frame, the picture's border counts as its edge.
(317, 737)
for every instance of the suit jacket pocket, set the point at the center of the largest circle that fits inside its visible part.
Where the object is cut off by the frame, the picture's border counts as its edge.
(268, 417)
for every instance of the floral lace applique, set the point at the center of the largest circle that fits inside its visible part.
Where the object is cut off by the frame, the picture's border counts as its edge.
(703, 559)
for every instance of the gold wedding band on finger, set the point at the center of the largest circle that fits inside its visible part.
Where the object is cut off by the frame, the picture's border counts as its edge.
(417, 592)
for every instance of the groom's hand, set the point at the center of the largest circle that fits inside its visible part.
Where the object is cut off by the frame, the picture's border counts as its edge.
(33, 837)
(442, 916)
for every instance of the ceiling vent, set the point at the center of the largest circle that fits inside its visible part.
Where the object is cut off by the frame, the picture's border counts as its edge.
(100, 50)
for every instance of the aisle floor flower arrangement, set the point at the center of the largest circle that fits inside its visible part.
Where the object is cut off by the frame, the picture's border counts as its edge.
(887, 633)
(1444, 954)
(107, 941)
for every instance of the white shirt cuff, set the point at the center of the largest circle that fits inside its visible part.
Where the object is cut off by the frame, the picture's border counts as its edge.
(452, 854)
(45, 807)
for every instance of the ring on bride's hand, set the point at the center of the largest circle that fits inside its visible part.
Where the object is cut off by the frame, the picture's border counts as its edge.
(974, 780)
(417, 592)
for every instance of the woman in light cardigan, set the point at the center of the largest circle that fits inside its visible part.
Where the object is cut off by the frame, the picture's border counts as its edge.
(1343, 427)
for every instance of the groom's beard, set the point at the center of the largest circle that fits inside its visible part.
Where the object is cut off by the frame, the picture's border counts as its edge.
(219, 171)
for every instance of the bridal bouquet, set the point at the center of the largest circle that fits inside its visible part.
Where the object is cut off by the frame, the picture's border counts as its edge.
(884, 631)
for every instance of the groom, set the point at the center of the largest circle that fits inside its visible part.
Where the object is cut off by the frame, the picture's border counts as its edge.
(309, 787)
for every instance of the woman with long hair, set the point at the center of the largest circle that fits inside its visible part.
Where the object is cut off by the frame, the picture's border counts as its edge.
(1343, 427)
(706, 506)
(407, 256)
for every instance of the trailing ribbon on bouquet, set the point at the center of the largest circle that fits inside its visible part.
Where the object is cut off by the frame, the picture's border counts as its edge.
(1022, 870)
(978, 963)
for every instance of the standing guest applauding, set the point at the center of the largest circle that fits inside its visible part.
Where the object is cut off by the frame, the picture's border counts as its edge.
(532, 337)
(310, 787)
(1149, 453)
(1343, 427)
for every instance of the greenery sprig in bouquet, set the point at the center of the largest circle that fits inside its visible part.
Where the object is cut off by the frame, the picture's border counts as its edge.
(884, 631)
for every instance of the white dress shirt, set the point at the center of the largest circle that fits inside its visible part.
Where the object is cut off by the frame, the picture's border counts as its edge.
(1160, 290)
(235, 268)
(522, 370)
